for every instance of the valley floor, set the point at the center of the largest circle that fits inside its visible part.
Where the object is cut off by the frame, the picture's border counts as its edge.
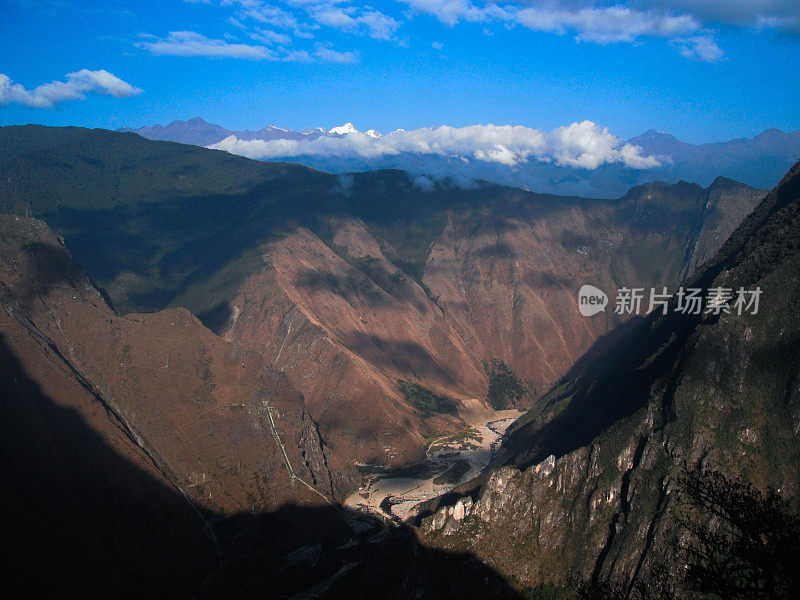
(450, 461)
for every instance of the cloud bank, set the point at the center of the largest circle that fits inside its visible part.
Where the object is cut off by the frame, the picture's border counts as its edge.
(76, 86)
(583, 145)
(661, 18)
(587, 21)
(346, 18)
(191, 43)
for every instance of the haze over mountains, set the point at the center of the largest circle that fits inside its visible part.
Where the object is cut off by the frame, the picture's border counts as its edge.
(582, 159)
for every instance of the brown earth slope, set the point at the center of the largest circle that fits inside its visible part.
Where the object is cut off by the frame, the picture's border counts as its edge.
(346, 324)
(145, 457)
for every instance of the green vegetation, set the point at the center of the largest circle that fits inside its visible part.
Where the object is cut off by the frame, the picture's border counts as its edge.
(743, 544)
(461, 440)
(426, 401)
(505, 388)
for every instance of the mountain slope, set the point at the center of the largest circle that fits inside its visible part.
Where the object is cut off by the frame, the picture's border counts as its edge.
(129, 198)
(194, 405)
(85, 503)
(589, 489)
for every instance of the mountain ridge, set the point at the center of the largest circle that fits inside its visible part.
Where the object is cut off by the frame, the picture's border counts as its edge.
(759, 161)
(350, 322)
(365, 282)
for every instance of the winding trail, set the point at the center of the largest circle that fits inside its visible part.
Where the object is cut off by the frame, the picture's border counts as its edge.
(282, 448)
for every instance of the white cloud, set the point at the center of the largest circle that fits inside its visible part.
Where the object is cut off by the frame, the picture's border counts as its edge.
(298, 56)
(302, 33)
(607, 24)
(780, 14)
(267, 36)
(699, 48)
(380, 26)
(588, 21)
(588, 146)
(76, 86)
(332, 56)
(263, 12)
(584, 145)
(602, 24)
(451, 12)
(777, 14)
(376, 24)
(190, 43)
(302, 15)
(683, 22)
(424, 183)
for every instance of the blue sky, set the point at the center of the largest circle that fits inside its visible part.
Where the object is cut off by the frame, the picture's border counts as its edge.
(689, 67)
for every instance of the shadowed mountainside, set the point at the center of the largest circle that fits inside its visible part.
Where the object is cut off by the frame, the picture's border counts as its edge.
(589, 490)
(85, 511)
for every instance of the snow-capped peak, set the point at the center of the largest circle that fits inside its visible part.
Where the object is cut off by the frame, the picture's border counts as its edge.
(372, 133)
(344, 129)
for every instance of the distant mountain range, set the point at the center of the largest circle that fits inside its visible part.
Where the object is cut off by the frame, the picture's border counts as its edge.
(201, 133)
(657, 156)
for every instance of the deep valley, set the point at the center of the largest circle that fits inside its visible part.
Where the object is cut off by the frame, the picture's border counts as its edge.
(224, 378)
